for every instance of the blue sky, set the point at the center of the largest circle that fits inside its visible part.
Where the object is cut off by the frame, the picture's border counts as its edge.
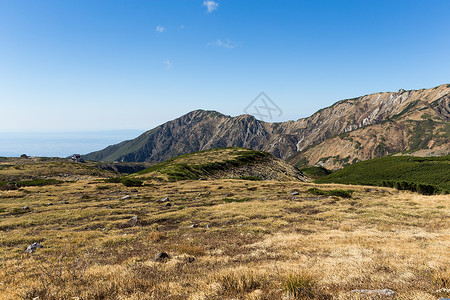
(109, 65)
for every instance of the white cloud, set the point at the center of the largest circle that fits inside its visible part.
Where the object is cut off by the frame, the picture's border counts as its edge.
(168, 64)
(160, 29)
(229, 44)
(210, 5)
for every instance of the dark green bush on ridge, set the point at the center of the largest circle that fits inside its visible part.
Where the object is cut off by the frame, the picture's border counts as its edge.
(132, 182)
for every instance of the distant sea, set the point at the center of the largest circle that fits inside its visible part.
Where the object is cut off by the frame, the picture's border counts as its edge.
(61, 144)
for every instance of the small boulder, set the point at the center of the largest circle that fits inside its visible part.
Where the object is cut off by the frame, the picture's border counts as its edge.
(132, 222)
(125, 197)
(294, 193)
(63, 202)
(161, 256)
(167, 204)
(33, 247)
(25, 208)
(194, 225)
(190, 259)
(163, 200)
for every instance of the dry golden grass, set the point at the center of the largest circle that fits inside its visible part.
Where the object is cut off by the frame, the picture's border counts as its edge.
(265, 244)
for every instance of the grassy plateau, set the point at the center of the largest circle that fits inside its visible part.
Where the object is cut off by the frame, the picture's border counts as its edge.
(225, 238)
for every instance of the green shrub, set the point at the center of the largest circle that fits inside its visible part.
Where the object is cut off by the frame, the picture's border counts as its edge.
(132, 182)
(230, 200)
(38, 182)
(315, 172)
(253, 178)
(339, 193)
(114, 180)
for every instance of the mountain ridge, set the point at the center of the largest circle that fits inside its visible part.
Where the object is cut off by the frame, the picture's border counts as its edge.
(298, 141)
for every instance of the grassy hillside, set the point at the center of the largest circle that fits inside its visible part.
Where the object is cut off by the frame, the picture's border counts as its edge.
(427, 175)
(221, 162)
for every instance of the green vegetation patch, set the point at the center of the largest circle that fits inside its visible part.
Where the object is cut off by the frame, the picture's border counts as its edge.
(252, 178)
(231, 200)
(416, 173)
(315, 172)
(338, 193)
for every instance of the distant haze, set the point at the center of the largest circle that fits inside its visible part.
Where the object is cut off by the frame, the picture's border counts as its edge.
(60, 144)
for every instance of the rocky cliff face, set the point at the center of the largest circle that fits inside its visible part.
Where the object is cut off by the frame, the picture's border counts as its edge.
(348, 131)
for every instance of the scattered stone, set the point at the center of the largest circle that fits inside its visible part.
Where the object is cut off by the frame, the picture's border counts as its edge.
(50, 203)
(294, 193)
(161, 256)
(167, 204)
(108, 206)
(132, 222)
(190, 259)
(25, 208)
(33, 247)
(194, 225)
(207, 226)
(77, 158)
(381, 292)
(134, 191)
(163, 200)
(125, 197)
(202, 179)
(63, 202)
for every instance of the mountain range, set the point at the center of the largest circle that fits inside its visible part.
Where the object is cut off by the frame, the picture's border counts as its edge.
(348, 131)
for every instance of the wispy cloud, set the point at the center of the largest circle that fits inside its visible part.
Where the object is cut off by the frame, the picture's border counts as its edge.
(168, 64)
(181, 27)
(210, 5)
(160, 29)
(227, 43)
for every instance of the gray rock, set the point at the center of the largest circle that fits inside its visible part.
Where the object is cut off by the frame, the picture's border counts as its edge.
(294, 193)
(25, 208)
(132, 222)
(194, 225)
(33, 247)
(125, 197)
(161, 256)
(381, 292)
(190, 259)
(163, 200)
(167, 204)
(63, 202)
(50, 203)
